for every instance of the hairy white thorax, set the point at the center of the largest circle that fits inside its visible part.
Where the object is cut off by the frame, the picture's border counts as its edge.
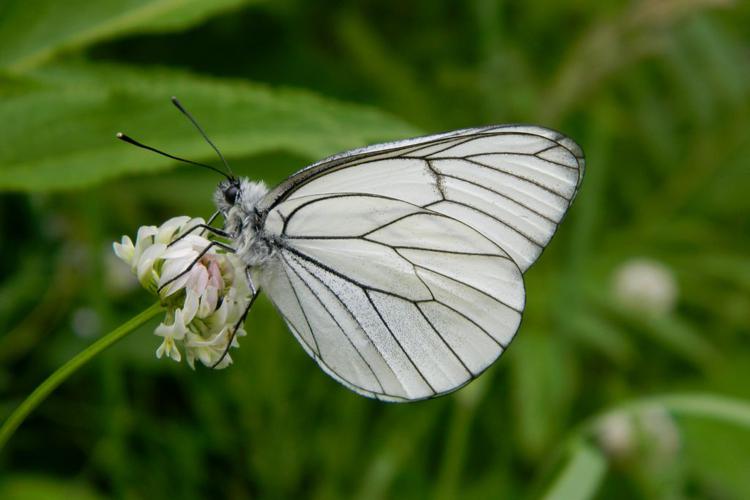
(242, 220)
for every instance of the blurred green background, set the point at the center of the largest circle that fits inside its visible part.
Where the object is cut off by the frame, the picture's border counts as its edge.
(630, 376)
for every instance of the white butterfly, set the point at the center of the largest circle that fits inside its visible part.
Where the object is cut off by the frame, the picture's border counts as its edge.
(398, 266)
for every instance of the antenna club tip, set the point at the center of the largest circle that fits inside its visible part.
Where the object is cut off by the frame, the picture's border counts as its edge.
(174, 99)
(119, 135)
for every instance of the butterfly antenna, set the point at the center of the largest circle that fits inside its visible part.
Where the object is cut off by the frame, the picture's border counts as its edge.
(185, 112)
(130, 140)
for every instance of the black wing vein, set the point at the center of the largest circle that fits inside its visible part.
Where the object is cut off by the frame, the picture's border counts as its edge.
(343, 331)
(398, 342)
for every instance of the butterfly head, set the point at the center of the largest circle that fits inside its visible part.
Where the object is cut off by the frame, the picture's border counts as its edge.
(237, 200)
(230, 191)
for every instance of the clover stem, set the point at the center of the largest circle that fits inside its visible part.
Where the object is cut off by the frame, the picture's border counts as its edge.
(61, 374)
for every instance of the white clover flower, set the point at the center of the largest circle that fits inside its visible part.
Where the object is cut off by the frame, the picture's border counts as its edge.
(645, 286)
(648, 436)
(204, 302)
(616, 434)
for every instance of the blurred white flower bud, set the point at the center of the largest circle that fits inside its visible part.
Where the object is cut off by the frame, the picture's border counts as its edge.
(647, 437)
(616, 435)
(659, 426)
(86, 322)
(645, 286)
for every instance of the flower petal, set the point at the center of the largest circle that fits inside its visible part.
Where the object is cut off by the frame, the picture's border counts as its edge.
(146, 263)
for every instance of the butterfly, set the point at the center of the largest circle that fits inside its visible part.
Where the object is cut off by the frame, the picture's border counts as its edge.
(399, 267)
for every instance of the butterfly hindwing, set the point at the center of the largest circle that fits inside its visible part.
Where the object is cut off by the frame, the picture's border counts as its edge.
(395, 301)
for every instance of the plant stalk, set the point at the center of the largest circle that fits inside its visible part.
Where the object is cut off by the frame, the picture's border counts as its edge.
(61, 374)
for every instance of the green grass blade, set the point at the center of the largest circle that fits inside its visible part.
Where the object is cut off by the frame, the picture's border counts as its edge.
(581, 476)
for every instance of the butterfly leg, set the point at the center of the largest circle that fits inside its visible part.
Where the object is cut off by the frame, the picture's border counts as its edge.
(237, 325)
(204, 227)
(196, 260)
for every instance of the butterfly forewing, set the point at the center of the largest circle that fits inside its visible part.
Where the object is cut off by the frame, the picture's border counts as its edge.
(513, 184)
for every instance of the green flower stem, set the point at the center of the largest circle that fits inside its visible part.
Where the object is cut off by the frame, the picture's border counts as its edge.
(61, 374)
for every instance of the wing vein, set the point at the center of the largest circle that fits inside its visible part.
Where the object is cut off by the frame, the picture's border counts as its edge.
(534, 155)
(340, 275)
(329, 196)
(460, 360)
(398, 342)
(476, 184)
(519, 177)
(301, 307)
(509, 226)
(467, 318)
(343, 331)
(470, 286)
(438, 179)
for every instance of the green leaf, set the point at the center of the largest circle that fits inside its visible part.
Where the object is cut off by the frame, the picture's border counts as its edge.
(716, 407)
(33, 31)
(581, 476)
(716, 454)
(678, 335)
(44, 487)
(64, 126)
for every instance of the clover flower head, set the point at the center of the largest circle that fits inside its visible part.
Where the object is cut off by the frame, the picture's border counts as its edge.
(648, 436)
(204, 291)
(645, 286)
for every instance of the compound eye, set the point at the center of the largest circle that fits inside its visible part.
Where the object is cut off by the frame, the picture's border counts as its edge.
(230, 194)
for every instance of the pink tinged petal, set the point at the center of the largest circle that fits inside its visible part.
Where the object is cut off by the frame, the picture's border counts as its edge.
(198, 278)
(214, 273)
(209, 300)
